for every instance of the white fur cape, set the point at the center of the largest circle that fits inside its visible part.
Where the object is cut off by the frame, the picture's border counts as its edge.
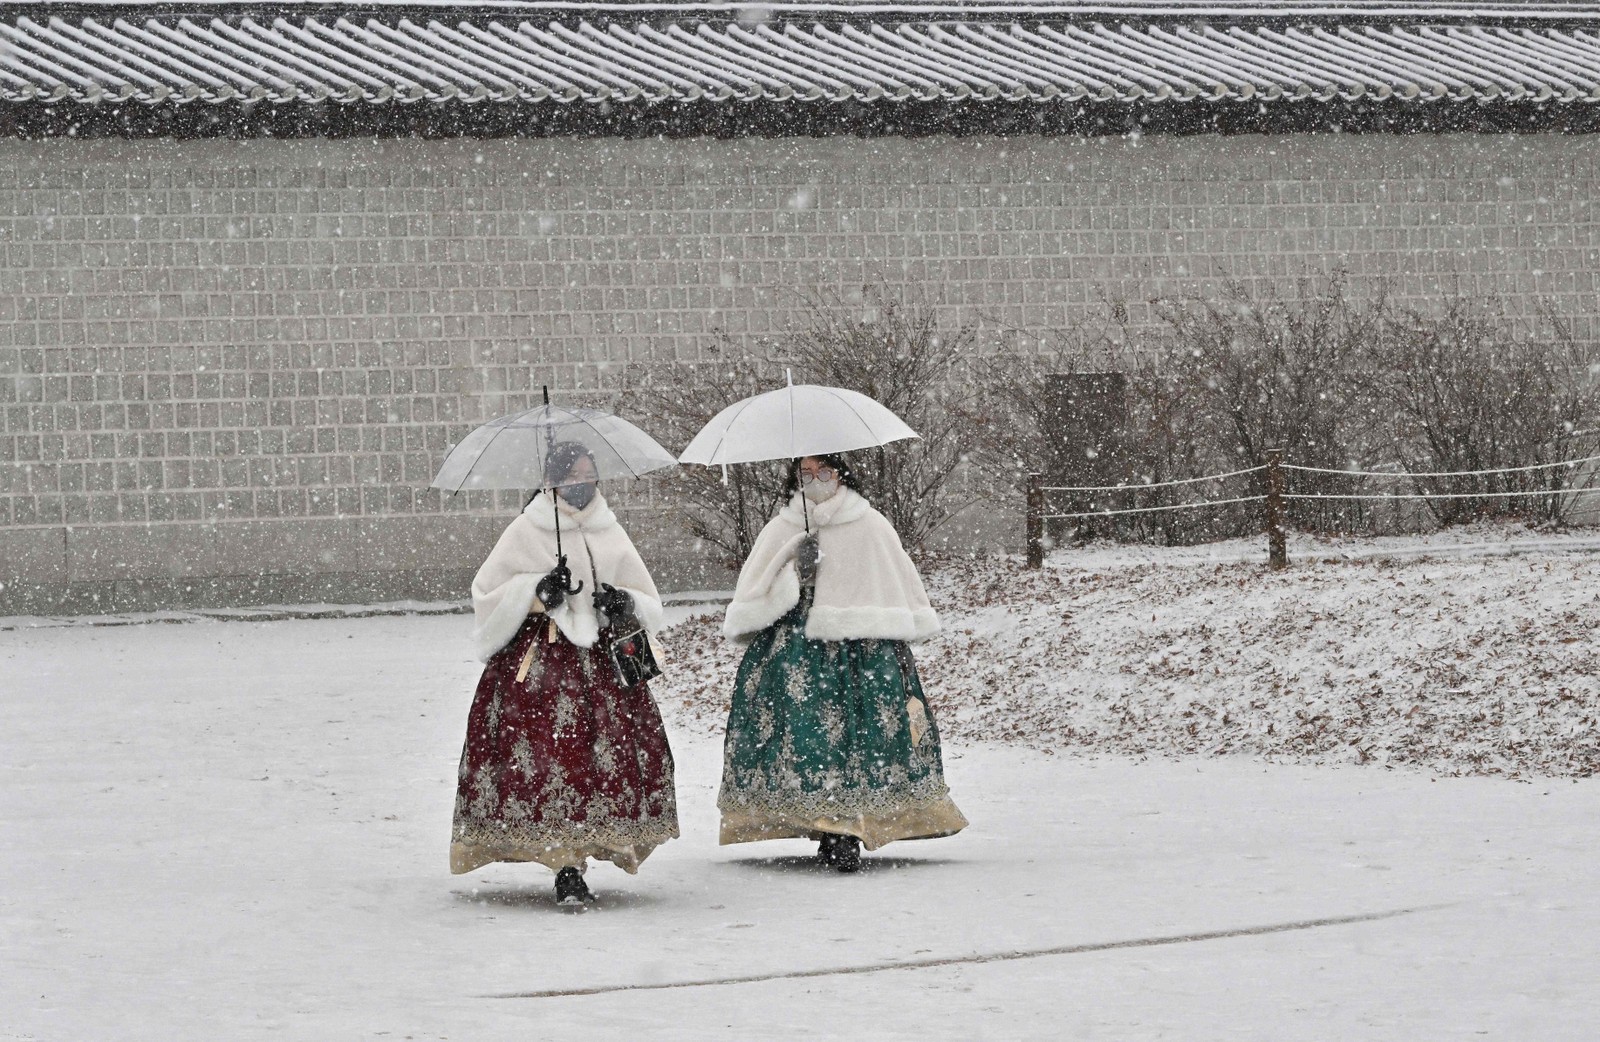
(503, 590)
(866, 585)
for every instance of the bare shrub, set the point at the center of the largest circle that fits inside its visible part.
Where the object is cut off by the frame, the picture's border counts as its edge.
(1470, 391)
(1225, 380)
(724, 507)
(1269, 372)
(1339, 385)
(1013, 393)
(897, 353)
(1157, 444)
(892, 351)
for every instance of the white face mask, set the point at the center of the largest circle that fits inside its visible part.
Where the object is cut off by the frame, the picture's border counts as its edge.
(817, 491)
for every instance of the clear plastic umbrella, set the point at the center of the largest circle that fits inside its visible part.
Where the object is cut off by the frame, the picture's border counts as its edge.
(511, 452)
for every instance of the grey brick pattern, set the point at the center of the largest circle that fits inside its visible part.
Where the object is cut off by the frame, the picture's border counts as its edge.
(229, 368)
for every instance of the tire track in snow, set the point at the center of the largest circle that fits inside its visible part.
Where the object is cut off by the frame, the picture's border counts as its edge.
(969, 960)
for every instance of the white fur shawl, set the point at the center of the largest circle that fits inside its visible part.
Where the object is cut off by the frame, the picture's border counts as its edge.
(503, 591)
(866, 585)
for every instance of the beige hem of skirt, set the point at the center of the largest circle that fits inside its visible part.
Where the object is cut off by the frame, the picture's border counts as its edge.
(466, 857)
(926, 821)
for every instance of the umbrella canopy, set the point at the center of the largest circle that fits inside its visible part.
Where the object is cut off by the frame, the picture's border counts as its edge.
(509, 452)
(803, 420)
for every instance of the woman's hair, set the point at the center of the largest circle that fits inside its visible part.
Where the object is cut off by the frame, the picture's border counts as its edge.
(562, 457)
(558, 463)
(840, 465)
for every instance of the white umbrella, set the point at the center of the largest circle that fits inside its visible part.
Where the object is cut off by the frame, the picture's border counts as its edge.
(794, 421)
(808, 420)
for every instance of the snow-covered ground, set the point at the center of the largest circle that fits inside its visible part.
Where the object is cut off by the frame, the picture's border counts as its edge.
(1467, 652)
(238, 830)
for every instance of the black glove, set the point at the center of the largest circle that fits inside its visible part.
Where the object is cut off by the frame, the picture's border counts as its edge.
(615, 603)
(552, 589)
(806, 556)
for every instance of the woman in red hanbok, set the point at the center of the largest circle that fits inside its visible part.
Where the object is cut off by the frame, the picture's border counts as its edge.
(562, 762)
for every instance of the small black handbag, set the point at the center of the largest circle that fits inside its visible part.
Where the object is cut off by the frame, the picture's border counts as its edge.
(632, 657)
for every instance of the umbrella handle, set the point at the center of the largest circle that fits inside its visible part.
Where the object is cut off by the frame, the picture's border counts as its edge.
(561, 562)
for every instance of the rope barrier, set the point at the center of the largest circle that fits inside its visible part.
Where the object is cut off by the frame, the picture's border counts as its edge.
(1444, 495)
(1276, 496)
(1441, 473)
(1141, 488)
(1151, 510)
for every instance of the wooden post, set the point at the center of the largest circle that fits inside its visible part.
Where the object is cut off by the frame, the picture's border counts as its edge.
(1277, 547)
(1035, 532)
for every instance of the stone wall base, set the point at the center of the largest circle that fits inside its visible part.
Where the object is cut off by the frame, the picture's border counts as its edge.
(233, 591)
(49, 570)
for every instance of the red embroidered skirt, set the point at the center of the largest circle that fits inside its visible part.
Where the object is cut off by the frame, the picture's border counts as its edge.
(562, 765)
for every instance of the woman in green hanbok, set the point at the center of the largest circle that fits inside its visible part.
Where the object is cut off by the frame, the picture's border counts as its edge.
(830, 736)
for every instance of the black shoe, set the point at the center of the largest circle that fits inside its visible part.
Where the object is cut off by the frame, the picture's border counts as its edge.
(847, 854)
(570, 887)
(827, 849)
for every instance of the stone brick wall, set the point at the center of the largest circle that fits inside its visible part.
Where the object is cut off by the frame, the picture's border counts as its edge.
(229, 368)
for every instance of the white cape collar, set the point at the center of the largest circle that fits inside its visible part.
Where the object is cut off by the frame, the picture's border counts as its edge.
(595, 517)
(841, 508)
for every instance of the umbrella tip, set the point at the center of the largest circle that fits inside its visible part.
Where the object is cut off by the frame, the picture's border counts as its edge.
(788, 374)
(546, 389)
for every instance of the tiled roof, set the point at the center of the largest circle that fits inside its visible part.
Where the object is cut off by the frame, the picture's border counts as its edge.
(563, 54)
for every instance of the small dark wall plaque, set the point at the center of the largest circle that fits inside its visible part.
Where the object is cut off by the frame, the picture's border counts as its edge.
(1086, 422)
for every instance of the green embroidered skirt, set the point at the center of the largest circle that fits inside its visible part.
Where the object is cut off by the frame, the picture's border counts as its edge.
(831, 737)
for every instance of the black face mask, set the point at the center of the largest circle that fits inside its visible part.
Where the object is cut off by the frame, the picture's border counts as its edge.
(579, 496)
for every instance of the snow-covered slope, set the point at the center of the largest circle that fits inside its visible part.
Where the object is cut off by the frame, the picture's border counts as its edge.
(1474, 652)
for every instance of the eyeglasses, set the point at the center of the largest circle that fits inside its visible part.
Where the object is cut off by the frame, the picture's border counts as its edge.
(820, 474)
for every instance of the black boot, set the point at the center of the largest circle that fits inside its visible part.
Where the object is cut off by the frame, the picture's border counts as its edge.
(827, 849)
(847, 854)
(570, 887)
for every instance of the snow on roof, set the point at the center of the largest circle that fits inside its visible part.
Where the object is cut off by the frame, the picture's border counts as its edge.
(1523, 10)
(486, 56)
